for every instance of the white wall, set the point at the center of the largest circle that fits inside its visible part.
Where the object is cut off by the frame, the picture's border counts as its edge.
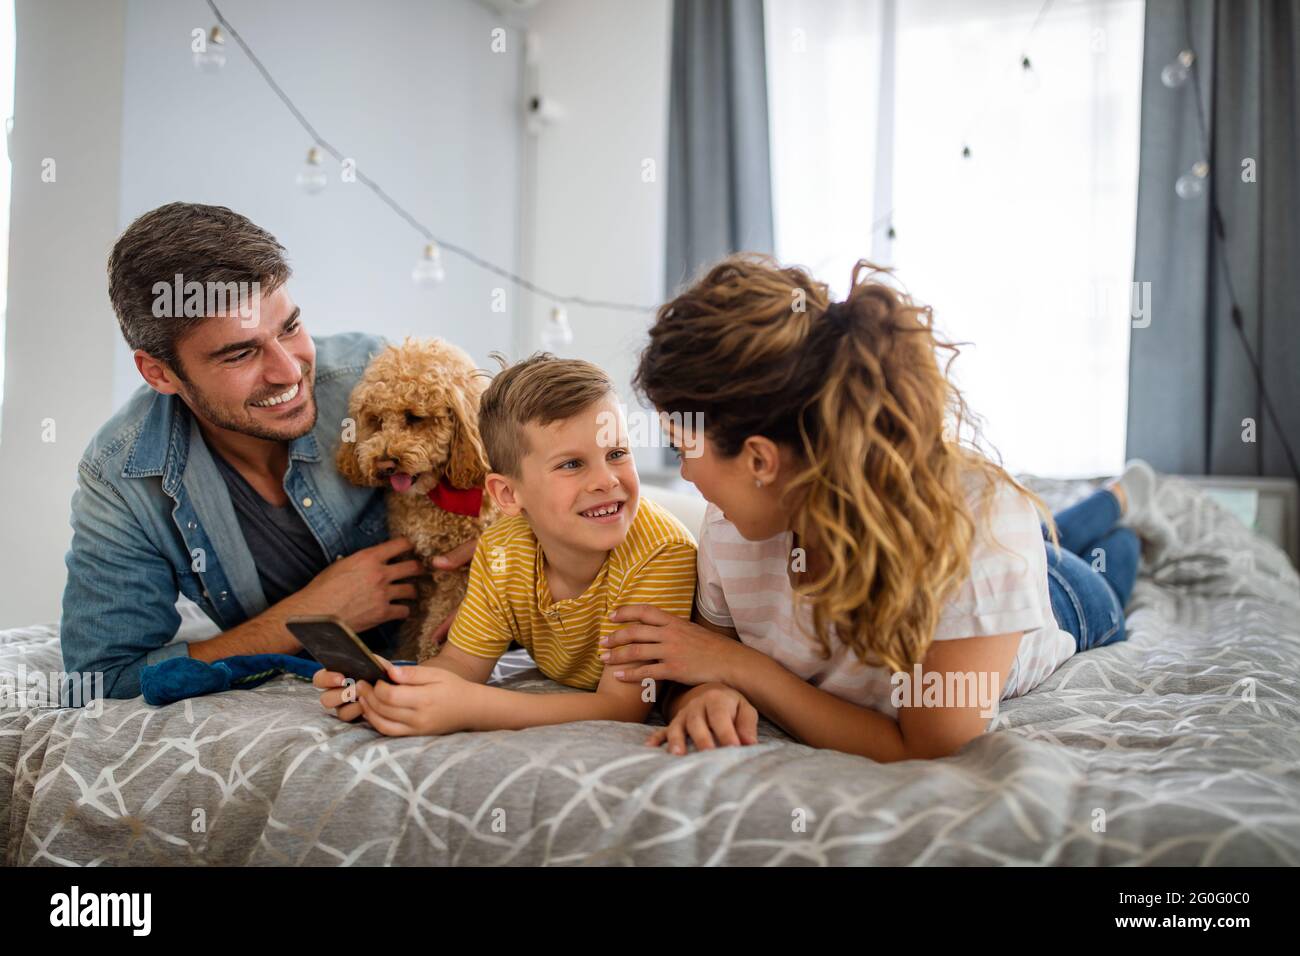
(60, 330)
(595, 227)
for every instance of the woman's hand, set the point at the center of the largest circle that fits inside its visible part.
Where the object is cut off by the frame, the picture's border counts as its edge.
(418, 700)
(661, 646)
(714, 715)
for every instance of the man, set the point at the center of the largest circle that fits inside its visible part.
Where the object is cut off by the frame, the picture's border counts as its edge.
(216, 480)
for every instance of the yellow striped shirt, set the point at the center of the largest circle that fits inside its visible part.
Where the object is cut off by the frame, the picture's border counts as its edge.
(508, 597)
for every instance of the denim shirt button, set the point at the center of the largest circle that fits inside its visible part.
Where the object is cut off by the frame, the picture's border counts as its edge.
(306, 502)
(223, 595)
(191, 525)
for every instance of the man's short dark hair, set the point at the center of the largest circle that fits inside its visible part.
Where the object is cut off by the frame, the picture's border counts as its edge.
(204, 244)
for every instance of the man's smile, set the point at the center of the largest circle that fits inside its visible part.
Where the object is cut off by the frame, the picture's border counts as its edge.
(287, 398)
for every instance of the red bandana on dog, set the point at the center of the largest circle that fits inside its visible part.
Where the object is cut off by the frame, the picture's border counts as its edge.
(459, 501)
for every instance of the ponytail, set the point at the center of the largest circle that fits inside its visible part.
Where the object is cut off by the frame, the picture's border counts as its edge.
(885, 443)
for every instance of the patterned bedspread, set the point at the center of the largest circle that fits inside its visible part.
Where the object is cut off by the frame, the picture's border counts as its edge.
(1179, 746)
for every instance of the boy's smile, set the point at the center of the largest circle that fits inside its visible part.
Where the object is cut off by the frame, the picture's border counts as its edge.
(577, 485)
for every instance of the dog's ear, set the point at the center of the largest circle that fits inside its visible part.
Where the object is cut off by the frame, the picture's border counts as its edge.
(467, 464)
(346, 459)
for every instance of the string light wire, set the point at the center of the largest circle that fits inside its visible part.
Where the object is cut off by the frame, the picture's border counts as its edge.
(393, 204)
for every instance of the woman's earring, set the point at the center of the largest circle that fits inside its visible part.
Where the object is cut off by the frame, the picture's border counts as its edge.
(758, 482)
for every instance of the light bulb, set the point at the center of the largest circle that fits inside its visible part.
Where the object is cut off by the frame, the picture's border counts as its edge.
(312, 178)
(1176, 73)
(213, 55)
(1191, 184)
(1029, 80)
(557, 332)
(428, 271)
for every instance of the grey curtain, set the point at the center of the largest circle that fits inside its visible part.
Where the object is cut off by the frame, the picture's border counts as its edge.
(719, 180)
(1190, 380)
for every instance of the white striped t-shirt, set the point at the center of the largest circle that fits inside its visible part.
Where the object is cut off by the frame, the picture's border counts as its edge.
(745, 585)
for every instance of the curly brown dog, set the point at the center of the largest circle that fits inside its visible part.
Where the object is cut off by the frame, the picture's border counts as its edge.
(416, 415)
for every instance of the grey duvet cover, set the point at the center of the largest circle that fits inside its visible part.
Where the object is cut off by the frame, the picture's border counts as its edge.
(1179, 746)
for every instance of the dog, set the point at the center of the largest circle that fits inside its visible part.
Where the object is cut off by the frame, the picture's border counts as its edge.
(415, 412)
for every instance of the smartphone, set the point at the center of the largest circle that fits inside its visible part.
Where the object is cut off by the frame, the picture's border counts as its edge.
(336, 647)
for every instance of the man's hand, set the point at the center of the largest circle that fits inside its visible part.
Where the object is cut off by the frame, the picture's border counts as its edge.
(458, 557)
(360, 590)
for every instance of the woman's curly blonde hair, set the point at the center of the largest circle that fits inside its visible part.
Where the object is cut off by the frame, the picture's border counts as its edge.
(885, 441)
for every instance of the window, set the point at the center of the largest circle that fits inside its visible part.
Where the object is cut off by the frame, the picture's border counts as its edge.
(1025, 248)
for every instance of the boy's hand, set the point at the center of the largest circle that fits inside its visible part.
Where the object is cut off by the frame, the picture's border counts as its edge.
(713, 715)
(340, 693)
(419, 700)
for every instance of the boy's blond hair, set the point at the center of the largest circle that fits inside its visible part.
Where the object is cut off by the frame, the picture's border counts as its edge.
(536, 391)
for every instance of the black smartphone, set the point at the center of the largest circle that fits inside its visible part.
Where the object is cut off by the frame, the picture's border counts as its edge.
(336, 647)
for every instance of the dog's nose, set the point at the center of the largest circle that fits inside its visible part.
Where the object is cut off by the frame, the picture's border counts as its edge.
(386, 467)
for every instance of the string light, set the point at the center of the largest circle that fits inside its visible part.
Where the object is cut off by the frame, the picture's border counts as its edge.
(1029, 80)
(557, 333)
(428, 269)
(312, 178)
(1175, 74)
(326, 147)
(1191, 184)
(210, 54)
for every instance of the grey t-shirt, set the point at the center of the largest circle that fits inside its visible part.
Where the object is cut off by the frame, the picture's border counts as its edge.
(286, 553)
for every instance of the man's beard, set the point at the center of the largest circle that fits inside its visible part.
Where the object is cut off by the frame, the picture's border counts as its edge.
(248, 426)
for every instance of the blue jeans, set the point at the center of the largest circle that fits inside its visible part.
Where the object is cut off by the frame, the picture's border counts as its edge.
(1091, 577)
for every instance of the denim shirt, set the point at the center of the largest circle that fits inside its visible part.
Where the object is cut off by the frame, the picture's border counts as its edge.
(151, 519)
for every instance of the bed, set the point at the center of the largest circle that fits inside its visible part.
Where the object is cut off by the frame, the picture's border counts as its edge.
(1180, 746)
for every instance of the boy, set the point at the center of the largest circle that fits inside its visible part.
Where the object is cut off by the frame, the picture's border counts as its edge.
(574, 543)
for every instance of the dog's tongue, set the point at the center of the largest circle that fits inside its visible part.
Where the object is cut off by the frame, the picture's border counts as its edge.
(401, 481)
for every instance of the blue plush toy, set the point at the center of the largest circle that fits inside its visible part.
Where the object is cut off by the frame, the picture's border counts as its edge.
(180, 677)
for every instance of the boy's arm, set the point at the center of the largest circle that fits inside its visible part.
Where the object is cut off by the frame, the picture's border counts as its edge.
(496, 708)
(462, 663)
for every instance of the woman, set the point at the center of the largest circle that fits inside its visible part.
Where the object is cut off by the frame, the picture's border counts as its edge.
(867, 579)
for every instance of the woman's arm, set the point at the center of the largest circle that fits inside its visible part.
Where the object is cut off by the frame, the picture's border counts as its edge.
(923, 729)
(673, 692)
(657, 645)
